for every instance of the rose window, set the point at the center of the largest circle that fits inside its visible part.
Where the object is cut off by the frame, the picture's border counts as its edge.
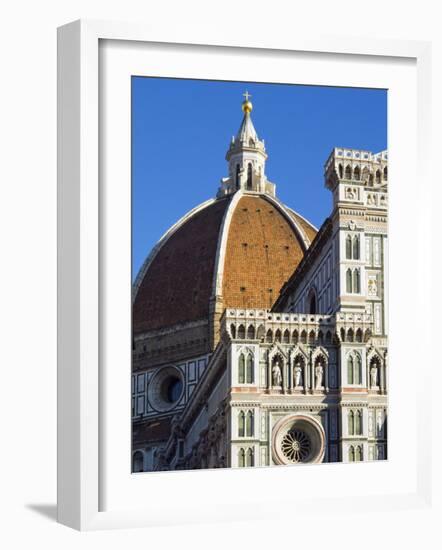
(296, 446)
(297, 439)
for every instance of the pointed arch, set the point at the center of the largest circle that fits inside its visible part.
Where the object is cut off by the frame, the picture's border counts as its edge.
(286, 336)
(303, 337)
(328, 337)
(241, 424)
(349, 281)
(350, 335)
(340, 170)
(351, 454)
(370, 180)
(351, 423)
(359, 335)
(295, 337)
(250, 374)
(269, 336)
(385, 173)
(251, 332)
(312, 303)
(233, 331)
(357, 173)
(250, 457)
(350, 370)
(348, 172)
(356, 247)
(237, 174)
(250, 424)
(241, 458)
(365, 173)
(356, 281)
(378, 176)
(278, 335)
(312, 337)
(358, 369)
(241, 332)
(320, 337)
(358, 423)
(249, 176)
(359, 454)
(260, 333)
(348, 247)
(241, 369)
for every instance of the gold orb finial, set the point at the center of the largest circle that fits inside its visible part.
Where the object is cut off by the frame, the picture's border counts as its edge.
(247, 105)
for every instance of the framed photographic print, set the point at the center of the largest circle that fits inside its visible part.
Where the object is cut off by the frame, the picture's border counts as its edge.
(231, 275)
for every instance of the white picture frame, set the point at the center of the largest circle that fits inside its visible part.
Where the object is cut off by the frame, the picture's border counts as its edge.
(95, 488)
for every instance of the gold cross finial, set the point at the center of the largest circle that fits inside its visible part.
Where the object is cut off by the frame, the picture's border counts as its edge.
(247, 104)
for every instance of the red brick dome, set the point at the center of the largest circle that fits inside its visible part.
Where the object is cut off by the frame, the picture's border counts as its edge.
(239, 249)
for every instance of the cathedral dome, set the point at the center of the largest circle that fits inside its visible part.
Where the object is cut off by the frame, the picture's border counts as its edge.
(238, 250)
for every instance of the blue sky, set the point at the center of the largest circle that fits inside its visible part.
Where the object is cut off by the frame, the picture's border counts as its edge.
(181, 130)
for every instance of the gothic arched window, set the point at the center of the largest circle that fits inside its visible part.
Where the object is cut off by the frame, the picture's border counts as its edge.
(241, 458)
(241, 369)
(241, 332)
(278, 335)
(249, 370)
(295, 337)
(303, 337)
(358, 370)
(349, 284)
(378, 176)
(251, 333)
(385, 174)
(269, 336)
(286, 337)
(351, 454)
(341, 171)
(241, 424)
(249, 176)
(348, 249)
(358, 423)
(350, 370)
(233, 331)
(249, 424)
(357, 173)
(356, 247)
(250, 457)
(358, 454)
(137, 462)
(351, 423)
(238, 169)
(356, 281)
(348, 172)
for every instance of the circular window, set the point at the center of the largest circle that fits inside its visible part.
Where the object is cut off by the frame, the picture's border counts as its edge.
(171, 389)
(298, 439)
(296, 446)
(166, 389)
